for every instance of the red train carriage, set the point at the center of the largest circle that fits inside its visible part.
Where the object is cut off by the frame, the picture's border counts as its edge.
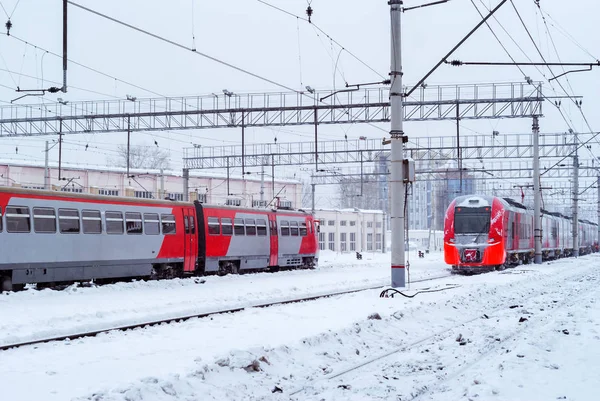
(48, 237)
(485, 233)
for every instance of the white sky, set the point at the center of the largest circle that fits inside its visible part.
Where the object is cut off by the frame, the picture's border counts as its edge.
(270, 43)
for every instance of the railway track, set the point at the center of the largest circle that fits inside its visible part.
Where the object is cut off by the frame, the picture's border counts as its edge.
(179, 319)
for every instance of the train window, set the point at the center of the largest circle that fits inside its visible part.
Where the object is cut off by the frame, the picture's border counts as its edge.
(168, 224)
(17, 219)
(238, 227)
(303, 229)
(114, 222)
(151, 223)
(91, 221)
(133, 223)
(68, 221)
(261, 227)
(250, 227)
(285, 227)
(44, 220)
(294, 228)
(213, 226)
(226, 226)
(186, 224)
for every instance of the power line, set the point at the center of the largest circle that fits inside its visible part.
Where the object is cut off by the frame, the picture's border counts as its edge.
(163, 39)
(324, 33)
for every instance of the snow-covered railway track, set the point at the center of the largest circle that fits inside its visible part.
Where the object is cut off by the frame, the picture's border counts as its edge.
(177, 319)
(477, 337)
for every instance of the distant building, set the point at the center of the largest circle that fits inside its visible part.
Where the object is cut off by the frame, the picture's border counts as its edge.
(351, 230)
(205, 187)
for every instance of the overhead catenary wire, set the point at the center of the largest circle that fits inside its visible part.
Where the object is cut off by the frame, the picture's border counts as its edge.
(179, 45)
(324, 33)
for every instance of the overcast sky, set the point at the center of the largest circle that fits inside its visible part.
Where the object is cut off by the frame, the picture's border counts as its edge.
(267, 42)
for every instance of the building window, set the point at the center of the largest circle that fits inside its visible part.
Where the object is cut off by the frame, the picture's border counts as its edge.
(332, 241)
(92, 221)
(369, 242)
(343, 223)
(201, 197)
(175, 196)
(44, 220)
(108, 192)
(378, 242)
(68, 221)
(352, 223)
(143, 194)
(73, 190)
(331, 222)
(369, 224)
(352, 242)
(322, 241)
(322, 222)
(378, 225)
(32, 187)
(343, 242)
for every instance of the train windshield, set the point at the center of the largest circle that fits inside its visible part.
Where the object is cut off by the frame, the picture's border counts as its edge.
(472, 220)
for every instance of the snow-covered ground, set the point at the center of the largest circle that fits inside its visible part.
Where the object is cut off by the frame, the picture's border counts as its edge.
(34, 314)
(329, 349)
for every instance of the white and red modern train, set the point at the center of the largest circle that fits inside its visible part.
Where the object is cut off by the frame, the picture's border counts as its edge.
(485, 233)
(51, 237)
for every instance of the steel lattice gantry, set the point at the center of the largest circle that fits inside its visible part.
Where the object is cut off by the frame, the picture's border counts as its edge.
(435, 149)
(365, 105)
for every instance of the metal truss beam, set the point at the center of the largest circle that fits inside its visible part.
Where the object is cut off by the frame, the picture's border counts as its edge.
(434, 149)
(367, 105)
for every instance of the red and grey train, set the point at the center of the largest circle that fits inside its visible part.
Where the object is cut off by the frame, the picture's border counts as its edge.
(51, 237)
(485, 233)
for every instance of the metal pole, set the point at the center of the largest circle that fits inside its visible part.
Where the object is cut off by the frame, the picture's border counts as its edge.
(397, 142)
(272, 176)
(316, 142)
(243, 150)
(128, 142)
(262, 183)
(162, 184)
(598, 237)
(537, 193)
(458, 152)
(228, 193)
(59, 149)
(64, 88)
(313, 198)
(576, 200)
(46, 170)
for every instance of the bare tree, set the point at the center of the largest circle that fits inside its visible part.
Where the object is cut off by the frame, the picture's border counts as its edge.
(142, 157)
(306, 194)
(356, 194)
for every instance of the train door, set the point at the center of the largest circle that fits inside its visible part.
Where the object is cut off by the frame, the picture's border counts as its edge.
(190, 241)
(273, 259)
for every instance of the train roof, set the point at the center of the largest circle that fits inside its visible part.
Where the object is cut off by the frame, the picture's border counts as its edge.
(123, 199)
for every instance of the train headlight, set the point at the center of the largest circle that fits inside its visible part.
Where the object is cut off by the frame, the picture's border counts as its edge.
(490, 241)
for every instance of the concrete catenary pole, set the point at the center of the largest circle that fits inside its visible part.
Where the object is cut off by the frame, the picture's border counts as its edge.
(397, 154)
(186, 184)
(576, 200)
(537, 193)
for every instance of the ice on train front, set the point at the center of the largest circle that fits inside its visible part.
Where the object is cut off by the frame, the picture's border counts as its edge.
(473, 235)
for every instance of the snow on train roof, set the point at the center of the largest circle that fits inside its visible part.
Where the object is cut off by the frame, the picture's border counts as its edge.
(472, 201)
